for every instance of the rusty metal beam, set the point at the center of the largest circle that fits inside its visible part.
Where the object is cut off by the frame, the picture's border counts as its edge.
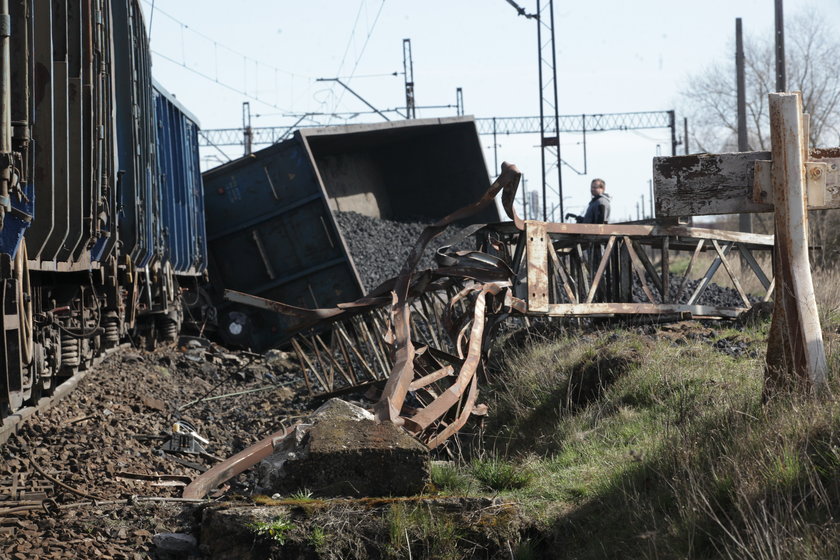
(731, 274)
(234, 465)
(707, 278)
(600, 272)
(691, 262)
(537, 253)
(753, 264)
(637, 231)
(639, 267)
(610, 309)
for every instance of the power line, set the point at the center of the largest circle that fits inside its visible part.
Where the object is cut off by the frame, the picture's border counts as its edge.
(216, 43)
(370, 32)
(364, 47)
(217, 81)
(350, 38)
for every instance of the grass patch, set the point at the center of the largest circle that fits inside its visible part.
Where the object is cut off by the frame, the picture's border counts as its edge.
(277, 529)
(447, 477)
(414, 531)
(662, 446)
(497, 474)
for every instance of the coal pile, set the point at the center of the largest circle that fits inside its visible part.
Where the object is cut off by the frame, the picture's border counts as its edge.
(380, 247)
(714, 294)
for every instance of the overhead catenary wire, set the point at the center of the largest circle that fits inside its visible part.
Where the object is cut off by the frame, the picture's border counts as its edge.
(249, 91)
(217, 43)
(350, 38)
(361, 53)
(219, 82)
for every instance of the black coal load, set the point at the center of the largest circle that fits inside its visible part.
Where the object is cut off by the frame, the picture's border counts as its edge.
(714, 294)
(380, 247)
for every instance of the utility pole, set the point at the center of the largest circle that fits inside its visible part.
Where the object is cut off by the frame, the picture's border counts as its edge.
(247, 131)
(744, 220)
(549, 101)
(685, 134)
(781, 79)
(408, 71)
(672, 123)
(459, 102)
(549, 112)
(524, 198)
(495, 151)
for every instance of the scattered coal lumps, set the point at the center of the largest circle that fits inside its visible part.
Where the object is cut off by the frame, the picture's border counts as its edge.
(714, 294)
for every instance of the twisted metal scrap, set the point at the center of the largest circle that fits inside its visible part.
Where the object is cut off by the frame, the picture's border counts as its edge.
(469, 347)
(488, 293)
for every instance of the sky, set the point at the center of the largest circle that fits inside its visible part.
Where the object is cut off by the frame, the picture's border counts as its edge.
(613, 56)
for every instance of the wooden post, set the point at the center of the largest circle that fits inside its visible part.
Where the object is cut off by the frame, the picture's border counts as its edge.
(795, 352)
(794, 181)
(537, 247)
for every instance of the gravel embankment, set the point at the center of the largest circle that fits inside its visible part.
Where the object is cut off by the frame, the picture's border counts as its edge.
(104, 441)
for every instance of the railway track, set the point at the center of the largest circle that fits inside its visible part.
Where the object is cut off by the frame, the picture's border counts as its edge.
(12, 422)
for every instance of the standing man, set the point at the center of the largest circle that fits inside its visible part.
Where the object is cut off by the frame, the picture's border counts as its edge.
(598, 211)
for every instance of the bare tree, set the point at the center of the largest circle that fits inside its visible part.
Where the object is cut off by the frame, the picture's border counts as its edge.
(812, 52)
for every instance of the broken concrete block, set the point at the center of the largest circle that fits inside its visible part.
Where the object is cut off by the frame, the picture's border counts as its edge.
(344, 452)
(337, 409)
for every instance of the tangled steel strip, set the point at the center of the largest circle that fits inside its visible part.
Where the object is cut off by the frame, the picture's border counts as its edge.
(486, 291)
(402, 374)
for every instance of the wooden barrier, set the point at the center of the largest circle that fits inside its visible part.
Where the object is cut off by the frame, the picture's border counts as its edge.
(790, 183)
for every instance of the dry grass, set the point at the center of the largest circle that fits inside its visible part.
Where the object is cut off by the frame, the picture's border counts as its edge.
(827, 291)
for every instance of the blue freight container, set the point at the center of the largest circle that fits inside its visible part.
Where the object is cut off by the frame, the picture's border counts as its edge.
(179, 179)
(270, 225)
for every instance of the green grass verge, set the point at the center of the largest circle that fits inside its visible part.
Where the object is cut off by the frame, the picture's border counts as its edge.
(640, 446)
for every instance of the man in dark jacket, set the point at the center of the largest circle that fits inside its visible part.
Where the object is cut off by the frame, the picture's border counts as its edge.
(598, 211)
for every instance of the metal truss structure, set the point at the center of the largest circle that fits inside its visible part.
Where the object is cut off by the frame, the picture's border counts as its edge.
(583, 123)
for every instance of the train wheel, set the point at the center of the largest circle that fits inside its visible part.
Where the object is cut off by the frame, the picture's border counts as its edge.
(17, 341)
(30, 363)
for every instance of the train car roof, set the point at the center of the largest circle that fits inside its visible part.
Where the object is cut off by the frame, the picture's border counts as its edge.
(172, 99)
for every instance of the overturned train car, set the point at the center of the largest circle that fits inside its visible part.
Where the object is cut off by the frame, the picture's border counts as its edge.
(272, 216)
(101, 206)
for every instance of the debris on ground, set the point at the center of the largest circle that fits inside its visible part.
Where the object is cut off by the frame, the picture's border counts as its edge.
(110, 482)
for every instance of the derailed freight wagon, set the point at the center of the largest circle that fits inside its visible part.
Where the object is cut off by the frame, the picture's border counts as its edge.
(88, 159)
(271, 227)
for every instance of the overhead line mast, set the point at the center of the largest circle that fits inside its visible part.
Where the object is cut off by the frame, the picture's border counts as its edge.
(549, 111)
